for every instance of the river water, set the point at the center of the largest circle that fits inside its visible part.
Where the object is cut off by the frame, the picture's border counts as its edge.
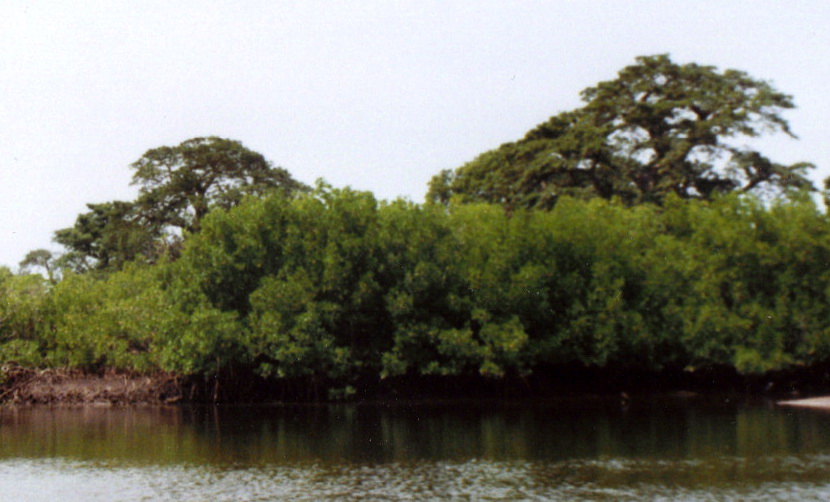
(660, 448)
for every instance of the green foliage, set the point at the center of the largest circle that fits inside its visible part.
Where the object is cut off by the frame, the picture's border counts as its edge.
(120, 322)
(659, 128)
(760, 297)
(22, 317)
(40, 258)
(651, 254)
(300, 273)
(332, 286)
(206, 342)
(105, 238)
(179, 185)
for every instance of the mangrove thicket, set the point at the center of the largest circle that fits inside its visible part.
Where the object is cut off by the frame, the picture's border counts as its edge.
(632, 234)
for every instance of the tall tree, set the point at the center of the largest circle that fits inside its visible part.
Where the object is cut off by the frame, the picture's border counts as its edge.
(658, 128)
(179, 185)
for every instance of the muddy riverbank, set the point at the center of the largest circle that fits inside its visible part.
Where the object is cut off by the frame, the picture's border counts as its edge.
(63, 386)
(20, 385)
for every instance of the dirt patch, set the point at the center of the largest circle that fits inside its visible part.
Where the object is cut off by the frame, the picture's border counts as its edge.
(61, 386)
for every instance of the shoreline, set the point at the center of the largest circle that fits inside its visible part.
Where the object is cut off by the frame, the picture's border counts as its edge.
(25, 386)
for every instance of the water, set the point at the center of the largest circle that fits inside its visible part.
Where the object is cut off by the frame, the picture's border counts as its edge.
(581, 449)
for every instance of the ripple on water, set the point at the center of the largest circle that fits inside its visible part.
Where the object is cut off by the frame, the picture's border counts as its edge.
(803, 478)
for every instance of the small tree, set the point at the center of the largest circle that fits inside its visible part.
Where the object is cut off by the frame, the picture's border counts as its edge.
(40, 258)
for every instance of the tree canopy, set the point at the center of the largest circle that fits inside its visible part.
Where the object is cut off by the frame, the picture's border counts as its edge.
(658, 128)
(179, 185)
(107, 236)
(39, 258)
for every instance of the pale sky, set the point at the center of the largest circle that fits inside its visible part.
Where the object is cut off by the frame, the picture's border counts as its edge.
(377, 95)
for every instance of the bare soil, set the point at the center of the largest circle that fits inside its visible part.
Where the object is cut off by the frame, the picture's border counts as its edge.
(61, 386)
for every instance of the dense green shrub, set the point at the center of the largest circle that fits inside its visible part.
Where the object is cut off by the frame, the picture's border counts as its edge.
(22, 311)
(333, 286)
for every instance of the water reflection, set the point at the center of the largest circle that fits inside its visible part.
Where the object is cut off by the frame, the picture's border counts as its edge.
(586, 446)
(553, 431)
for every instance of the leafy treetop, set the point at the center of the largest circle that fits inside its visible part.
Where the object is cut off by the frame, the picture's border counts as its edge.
(180, 184)
(39, 258)
(106, 237)
(658, 128)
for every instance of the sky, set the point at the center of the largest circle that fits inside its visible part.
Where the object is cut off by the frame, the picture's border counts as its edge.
(376, 95)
